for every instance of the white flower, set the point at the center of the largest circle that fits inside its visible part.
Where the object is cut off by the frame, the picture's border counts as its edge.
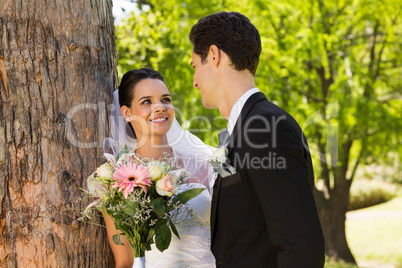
(219, 155)
(156, 169)
(105, 170)
(96, 187)
(167, 185)
(88, 209)
(110, 158)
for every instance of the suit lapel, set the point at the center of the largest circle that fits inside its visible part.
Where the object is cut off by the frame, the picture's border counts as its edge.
(252, 100)
(214, 204)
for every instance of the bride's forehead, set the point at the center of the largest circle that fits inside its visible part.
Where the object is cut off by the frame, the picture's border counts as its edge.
(150, 87)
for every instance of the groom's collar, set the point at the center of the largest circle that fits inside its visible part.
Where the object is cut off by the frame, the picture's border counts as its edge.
(237, 107)
(252, 100)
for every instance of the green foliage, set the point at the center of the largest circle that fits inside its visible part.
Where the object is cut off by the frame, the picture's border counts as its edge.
(117, 239)
(365, 193)
(173, 228)
(123, 151)
(186, 196)
(387, 169)
(162, 236)
(158, 205)
(314, 54)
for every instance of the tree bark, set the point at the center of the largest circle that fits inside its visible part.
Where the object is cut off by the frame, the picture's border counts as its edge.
(57, 72)
(332, 210)
(332, 218)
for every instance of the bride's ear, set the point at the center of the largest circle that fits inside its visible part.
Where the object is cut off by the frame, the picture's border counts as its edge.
(125, 112)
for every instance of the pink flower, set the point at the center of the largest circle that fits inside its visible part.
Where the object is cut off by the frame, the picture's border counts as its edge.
(129, 176)
(166, 186)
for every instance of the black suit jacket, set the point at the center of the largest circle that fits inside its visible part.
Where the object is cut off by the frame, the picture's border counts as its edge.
(265, 214)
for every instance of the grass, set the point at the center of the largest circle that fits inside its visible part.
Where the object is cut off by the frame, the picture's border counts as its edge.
(330, 264)
(375, 236)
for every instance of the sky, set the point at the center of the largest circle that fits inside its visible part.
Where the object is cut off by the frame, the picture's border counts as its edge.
(118, 13)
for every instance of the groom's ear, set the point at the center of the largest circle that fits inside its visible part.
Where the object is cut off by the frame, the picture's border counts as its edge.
(216, 55)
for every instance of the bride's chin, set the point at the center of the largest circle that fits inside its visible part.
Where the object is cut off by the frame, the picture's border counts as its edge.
(160, 131)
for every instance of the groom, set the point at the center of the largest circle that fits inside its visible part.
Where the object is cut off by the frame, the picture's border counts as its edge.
(265, 214)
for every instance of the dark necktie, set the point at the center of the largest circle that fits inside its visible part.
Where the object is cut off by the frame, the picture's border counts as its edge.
(223, 138)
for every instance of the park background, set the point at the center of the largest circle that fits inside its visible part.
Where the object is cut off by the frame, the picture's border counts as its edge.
(335, 65)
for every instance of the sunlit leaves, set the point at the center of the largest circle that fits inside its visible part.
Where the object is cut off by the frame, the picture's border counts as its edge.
(314, 53)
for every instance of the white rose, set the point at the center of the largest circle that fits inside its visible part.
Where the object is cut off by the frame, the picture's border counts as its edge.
(105, 170)
(156, 169)
(167, 185)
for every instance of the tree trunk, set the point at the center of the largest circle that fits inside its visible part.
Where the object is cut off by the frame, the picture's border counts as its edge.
(57, 72)
(332, 212)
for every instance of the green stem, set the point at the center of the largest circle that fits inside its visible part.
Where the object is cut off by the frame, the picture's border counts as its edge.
(136, 245)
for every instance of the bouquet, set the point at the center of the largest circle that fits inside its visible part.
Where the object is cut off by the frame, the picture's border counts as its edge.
(141, 197)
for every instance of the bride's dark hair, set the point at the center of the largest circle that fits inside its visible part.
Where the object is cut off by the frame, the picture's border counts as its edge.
(127, 85)
(131, 79)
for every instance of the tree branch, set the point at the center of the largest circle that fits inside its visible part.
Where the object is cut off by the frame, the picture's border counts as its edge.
(350, 180)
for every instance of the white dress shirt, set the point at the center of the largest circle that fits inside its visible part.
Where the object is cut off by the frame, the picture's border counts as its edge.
(237, 107)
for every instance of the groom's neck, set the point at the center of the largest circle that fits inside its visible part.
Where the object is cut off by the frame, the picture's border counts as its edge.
(233, 87)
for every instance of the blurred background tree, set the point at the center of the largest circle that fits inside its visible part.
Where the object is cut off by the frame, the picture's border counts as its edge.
(335, 65)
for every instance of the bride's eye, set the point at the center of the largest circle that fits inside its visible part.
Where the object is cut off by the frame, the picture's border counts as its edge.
(166, 100)
(148, 101)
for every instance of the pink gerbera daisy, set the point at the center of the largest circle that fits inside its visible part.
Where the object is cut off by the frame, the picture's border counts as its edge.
(129, 176)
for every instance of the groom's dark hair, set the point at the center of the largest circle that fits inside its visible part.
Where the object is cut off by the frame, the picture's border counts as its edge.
(233, 33)
(131, 79)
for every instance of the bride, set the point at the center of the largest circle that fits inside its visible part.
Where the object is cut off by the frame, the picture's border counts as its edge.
(147, 109)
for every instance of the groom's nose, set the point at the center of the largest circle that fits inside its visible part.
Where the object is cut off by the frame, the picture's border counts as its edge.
(195, 84)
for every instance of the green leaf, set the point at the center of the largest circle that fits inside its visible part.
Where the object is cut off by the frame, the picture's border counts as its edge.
(174, 230)
(123, 151)
(131, 208)
(185, 196)
(163, 236)
(117, 223)
(130, 211)
(158, 205)
(117, 239)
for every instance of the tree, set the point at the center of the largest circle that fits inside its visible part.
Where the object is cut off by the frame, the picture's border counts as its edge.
(334, 65)
(57, 72)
